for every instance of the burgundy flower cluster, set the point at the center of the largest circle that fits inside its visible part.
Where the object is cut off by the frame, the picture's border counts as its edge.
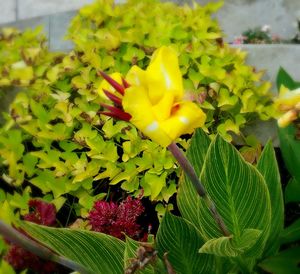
(41, 213)
(117, 220)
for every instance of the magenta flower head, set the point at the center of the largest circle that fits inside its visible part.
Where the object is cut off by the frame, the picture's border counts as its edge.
(117, 220)
(42, 213)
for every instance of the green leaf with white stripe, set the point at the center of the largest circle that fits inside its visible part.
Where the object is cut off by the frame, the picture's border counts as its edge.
(98, 252)
(231, 247)
(267, 165)
(237, 189)
(181, 240)
(187, 197)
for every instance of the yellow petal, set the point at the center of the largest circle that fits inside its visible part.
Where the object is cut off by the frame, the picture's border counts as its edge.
(162, 110)
(136, 77)
(136, 102)
(287, 118)
(105, 85)
(188, 117)
(163, 75)
(287, 98)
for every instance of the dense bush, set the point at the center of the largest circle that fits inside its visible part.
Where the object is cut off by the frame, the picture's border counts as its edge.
(55, 145)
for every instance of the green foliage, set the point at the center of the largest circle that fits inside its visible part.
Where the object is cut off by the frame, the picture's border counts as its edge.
(23, 56)
(57, 141)
(115, 38)
(6, 268)
(283, 78)
(290, 148)
(290, 144)
(291, 233)
(286, 262)
(193, 243)
(292, 191)
(181, 240)
(267, 166)
(236, 188)
(98, 252)
(54, 144)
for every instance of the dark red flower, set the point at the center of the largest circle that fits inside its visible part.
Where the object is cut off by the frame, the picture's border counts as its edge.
(21, 259)
(41, 213)
(117, 220)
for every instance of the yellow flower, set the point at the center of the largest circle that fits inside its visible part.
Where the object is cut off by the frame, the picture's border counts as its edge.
(154, 99)
(287, 98)
(288, 106)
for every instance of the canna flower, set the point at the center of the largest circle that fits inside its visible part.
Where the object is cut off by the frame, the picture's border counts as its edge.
(153, 99)
(288, 105)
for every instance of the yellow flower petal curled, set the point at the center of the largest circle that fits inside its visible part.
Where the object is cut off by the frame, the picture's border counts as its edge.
(288, 106)
(155, 100)
(163, 74)
(287, 98)
(137, 103)
(287, 118)
(136, 76)
(184, 121)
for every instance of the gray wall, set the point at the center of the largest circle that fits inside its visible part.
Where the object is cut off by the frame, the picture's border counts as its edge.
(13, 10)
(235, 17)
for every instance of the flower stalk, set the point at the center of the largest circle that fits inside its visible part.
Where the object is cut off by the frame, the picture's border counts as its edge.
(190, 172)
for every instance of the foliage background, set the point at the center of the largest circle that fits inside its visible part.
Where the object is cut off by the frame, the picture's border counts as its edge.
(54, 145)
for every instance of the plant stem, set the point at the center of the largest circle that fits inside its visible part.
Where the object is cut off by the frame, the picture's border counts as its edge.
(14, 236)
(190, 172)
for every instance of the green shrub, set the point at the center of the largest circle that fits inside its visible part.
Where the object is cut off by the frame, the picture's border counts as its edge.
(55, 141)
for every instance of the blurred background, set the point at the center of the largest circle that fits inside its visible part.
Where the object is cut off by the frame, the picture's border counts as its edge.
(235, 17)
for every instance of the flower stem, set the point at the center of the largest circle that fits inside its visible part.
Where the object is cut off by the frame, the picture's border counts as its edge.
(14, 236)
(190, 172)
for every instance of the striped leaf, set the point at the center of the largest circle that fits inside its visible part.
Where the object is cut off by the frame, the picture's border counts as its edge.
(290, 149)
(99, 253)
(181, 241)
(267, 165)
(187, 198)
(229, 247)
(237, 189)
